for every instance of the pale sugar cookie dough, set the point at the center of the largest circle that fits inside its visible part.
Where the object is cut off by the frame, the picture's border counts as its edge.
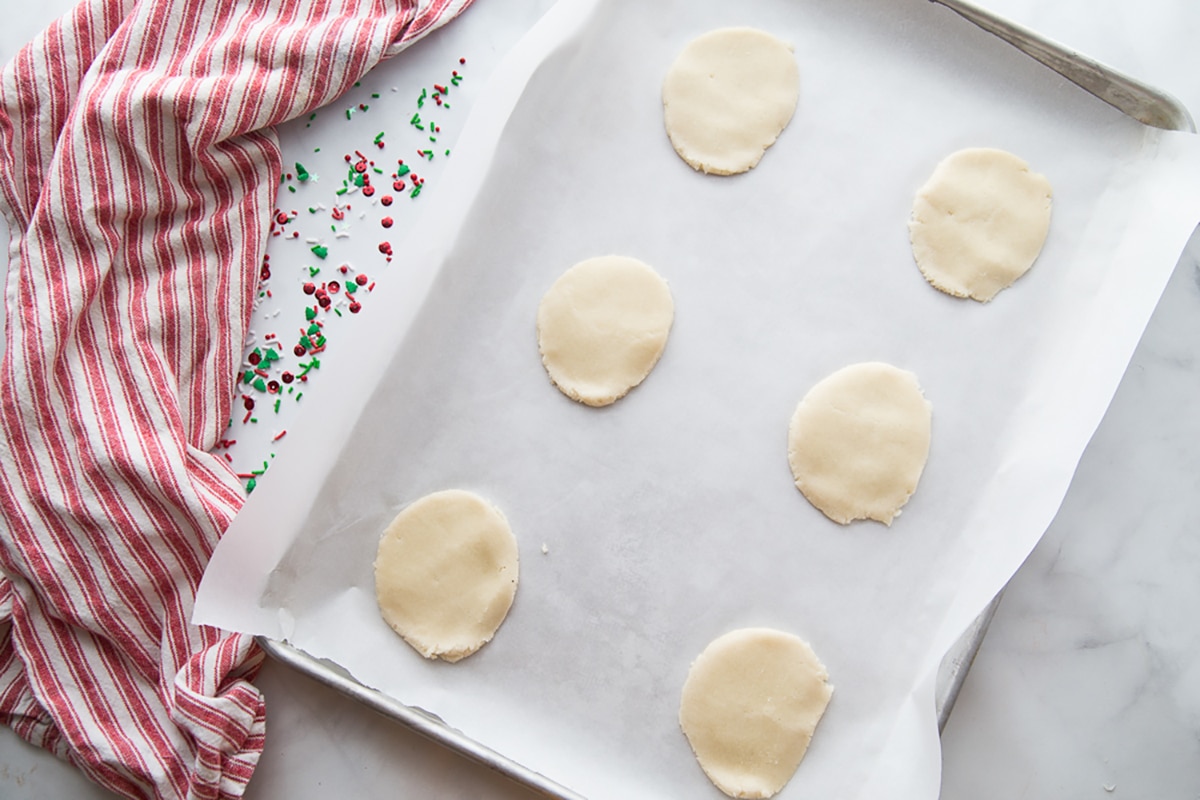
(727, 97)
(979, 222)
(749, 707)
(858, 442)
(602, 327)
(446, 573)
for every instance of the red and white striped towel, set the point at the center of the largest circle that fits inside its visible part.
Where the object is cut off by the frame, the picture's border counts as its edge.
(138, 170)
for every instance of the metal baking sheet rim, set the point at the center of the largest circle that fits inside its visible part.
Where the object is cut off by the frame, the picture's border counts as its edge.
(1130, 96)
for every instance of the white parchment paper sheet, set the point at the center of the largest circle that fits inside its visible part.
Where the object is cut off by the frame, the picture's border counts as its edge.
(670, 517)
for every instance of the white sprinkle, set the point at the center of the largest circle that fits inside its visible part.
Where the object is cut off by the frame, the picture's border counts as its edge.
(1110, 787)
(545, 549)
(342, 235)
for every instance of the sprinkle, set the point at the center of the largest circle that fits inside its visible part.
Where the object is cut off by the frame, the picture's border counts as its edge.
(320, 251)
(387, 222)
(301, 173)
(279, 435)
(402, 170)
(421, 99)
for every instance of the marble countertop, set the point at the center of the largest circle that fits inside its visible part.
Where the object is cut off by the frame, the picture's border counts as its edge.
(1088, 683)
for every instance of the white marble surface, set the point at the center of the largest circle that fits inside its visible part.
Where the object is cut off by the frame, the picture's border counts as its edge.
(1088, 684)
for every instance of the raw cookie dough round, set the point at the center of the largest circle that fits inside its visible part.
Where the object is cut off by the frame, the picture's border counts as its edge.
(858, 442)
(602, 327)
(749, 707)
(979, 222)
(446, 573)
(727, 97)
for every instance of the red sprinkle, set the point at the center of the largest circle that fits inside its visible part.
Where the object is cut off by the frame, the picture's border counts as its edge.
(299, 350)
(385, 248)
(355, 307)
(247, 403)
(361, 279)
(386, 222)
(310, 288)
(279, 436)
(368, 190)
(398, 186)
(254, 357)
(386, 200)
(333, 286)
(287, 377)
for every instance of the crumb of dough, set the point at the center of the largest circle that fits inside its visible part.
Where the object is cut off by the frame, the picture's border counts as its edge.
(859, 440)
(446, 573)
(979, 222)
(749, 708)
(602, 327)
(727, 97)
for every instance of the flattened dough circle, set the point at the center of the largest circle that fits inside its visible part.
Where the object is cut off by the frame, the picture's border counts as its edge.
(602, 327)
(979, 222)
(858, 442)
(727, 97)
(446, 573)
(749, 707)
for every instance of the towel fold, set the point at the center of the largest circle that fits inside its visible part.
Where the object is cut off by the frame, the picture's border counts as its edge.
(138, 170)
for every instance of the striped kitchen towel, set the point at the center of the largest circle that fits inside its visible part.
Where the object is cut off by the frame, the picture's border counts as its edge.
(138, 170)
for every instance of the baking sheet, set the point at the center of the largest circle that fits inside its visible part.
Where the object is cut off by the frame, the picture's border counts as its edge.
(670, 518)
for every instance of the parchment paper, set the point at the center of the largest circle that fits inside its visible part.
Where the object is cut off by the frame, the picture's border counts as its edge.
(670, 517)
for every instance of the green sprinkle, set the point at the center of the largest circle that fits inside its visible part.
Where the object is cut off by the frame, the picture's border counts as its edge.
(402, 170)
(360, 180)
(312, 116)
(277, 402)
(320, 250)
(312, 271)
(447, 152)
(301, 173)
(292, 189)
(433, 139)
(351, 287)
(249, 376)
(379, 137)
(306, 342)
(299, 396)
(338, 312)
(310, 313)
(260, 384)
(341, 191)
(421, 99)
(250, 484)
(333, 228)
(314, 328)
(456, 80)
(416, 191)
(270, 354)
(316, 149)
(349, 112)
(374, 95)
